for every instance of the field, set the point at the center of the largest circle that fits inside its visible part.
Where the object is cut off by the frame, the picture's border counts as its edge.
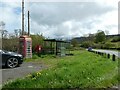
(82, 70)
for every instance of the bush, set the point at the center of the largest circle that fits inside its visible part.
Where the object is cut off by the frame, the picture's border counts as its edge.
(99, 45)
(87, 44)
(37, 40)
(100, 36)
(108, 45)
(115, 39)
(35, 56)
(10, 44)
(74, 42)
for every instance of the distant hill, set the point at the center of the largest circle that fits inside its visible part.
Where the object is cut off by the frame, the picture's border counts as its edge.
(82, 39)
(110, 36)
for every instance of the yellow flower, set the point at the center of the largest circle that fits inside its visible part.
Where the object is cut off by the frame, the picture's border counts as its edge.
(29, 75)
(38, 73)
(33, 78)
(69, 81)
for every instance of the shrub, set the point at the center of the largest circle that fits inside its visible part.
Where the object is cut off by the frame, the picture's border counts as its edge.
(99, 45)
(74, 42)
(100, 36)
(87, 44)
(108, 45)
(35, 56)
(115, 39)
(10, 44)
(37, 40)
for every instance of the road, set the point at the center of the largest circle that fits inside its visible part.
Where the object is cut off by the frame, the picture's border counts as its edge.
(108, 51)
(19, 72)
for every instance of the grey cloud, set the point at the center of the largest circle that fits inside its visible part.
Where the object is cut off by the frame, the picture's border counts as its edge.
(111, 26)
(56, 13)
(48, 18)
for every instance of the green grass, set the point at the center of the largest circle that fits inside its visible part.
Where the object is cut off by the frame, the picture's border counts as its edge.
(84, 69)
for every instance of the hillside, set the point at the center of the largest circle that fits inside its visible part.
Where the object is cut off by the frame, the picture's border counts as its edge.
(111, 42)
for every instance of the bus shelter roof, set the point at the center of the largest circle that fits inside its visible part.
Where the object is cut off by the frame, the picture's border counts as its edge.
(54, 40)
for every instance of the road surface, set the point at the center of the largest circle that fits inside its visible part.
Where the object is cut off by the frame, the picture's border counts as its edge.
(116, 53)
(19, 72)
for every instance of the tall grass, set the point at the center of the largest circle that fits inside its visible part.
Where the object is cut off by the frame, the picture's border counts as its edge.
(83, 70)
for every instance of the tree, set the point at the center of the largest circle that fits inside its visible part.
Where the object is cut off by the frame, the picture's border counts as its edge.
(74, 42)
(17, 32)
(4, 33)
(2, 25)
(87, 44)
(91, 37)
(100, 36)
(37, 40)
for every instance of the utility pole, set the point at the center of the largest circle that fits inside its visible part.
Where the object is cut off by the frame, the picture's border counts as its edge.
(28, 24)
(22, 17)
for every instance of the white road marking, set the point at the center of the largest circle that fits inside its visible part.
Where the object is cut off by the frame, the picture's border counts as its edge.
(30, 66)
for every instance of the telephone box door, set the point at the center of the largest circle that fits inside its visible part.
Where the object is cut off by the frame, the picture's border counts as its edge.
(28, 49)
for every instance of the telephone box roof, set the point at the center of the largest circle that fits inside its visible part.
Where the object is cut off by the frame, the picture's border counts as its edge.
(25, 36)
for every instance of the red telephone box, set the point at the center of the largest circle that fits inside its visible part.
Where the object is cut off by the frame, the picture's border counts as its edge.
(25, 46)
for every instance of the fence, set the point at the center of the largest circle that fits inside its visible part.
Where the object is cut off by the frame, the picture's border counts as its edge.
(107, 55)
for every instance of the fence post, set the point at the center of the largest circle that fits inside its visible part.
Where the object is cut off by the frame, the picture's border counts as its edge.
(108, 56)
(96, 52)
(113, 57)
(104, 54)
(99, 53)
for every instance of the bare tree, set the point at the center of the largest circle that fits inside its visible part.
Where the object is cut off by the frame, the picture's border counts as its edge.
(20, 32)
(16, 32)
(2, 25)
(2, 30)
(4, 33)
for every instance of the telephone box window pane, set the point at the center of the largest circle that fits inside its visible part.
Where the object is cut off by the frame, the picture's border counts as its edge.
(28, 49)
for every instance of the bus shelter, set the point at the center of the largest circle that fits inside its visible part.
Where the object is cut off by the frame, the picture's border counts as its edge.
(57, 47)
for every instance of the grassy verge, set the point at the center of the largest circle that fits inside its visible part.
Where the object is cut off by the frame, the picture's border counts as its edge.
(84, 69)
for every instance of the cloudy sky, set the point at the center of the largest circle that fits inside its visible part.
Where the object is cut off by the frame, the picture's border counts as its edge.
(62, 19)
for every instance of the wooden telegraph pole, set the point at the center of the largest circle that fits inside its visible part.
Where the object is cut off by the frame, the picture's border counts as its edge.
(28, 24)
(22, 17)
